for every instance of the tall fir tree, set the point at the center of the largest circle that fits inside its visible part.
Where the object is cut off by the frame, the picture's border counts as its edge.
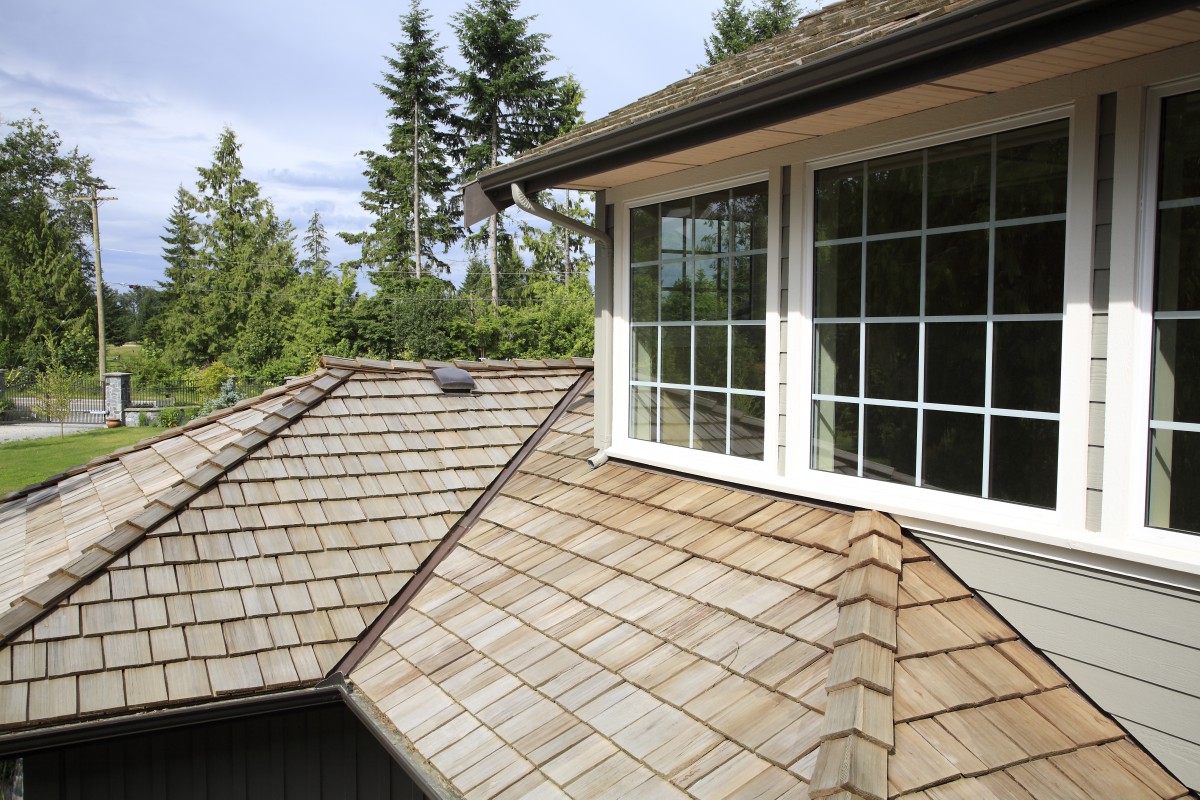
(735, 28)
(45, 266)
(237, 292)
(509, 103)
(411, 191)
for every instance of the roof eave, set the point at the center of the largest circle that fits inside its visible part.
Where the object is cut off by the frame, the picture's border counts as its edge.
(982, 34)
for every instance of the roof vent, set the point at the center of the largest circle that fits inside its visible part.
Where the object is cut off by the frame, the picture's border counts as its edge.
(454, 380)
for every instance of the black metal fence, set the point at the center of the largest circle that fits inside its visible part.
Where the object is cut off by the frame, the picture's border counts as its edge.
(21, 398)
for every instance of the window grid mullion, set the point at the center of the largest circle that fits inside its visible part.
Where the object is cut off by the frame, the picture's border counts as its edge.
(919, 467)
(862, 326)
(989, 337)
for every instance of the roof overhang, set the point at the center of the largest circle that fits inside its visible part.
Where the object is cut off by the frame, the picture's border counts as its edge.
(985, 33)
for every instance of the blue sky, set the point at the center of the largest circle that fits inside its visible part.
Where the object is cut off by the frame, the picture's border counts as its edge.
(146, 87)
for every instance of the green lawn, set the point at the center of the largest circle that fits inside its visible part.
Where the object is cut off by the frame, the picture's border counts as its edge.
(34, 460)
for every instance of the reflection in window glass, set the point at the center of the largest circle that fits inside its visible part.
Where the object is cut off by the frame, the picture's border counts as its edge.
(698, 299)
(1174, 447)
(938, 308)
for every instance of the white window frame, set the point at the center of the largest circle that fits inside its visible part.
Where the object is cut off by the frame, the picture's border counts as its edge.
(929, 505)
(714, 465)
(1131, 327)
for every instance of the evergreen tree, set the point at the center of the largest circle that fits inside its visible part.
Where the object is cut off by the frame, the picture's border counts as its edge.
(411, 191)
(731, 32)
(45, 266)
(509, 103)
(231, 270)
(322, 323)
(735, 29)
(773, 17)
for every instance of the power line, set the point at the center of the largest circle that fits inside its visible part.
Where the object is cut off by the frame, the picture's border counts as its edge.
(192, 289)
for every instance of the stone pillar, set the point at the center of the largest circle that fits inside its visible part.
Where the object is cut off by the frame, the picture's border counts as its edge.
(116, 395)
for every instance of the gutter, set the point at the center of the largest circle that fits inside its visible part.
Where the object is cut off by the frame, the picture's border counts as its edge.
(984, 33)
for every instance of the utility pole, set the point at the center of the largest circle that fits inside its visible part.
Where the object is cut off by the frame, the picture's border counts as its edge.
(94, 202)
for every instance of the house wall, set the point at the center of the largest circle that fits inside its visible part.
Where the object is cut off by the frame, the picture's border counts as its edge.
(1132, 645)
(314, 753)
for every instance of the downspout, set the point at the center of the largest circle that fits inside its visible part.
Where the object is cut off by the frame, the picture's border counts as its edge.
(601, 237)
(562, 220)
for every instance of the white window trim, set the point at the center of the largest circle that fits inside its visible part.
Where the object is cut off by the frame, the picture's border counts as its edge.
(1131, 327)
(713, 465)
(928, 506)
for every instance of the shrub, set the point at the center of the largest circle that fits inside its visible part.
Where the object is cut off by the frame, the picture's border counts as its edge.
(170, 416)
(228, 396)
(211, 381)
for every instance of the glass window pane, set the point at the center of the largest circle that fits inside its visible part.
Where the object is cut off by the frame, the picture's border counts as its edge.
(676, 354)
(1031, 171)
(710, 417)
(644, 233)
(894, 193)
(1026, 365)
(1024, 461)
(645, 293)
(1180, 176)
(892, 361)
(955, 363)
(890, 444)
(835, 437)
(712, 289)
(839, 198)
(1177, 370)
(839, 280)
(643, 413)
(749, 357)
(894, 277)
(712, 351)
(676, 291)
(750, 287)
(645, 354)
(747, 420)
(836, 359)
(956, 273)
(712, 223)
(952, 455)
(1178, 258)
(750, 217)
(676, 414)
(960, 176)
(676, 227)
(1174, 476)
(1029, 268)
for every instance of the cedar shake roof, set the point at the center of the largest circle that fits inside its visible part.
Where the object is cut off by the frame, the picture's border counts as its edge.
(847, 65)
(618, 632)
(571, 632)
(296, 519)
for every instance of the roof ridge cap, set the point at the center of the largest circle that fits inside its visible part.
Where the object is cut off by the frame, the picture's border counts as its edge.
(360, 364)
(858, 730)
(32, 605)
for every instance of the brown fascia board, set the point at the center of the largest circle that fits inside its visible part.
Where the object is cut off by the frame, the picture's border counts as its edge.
(985, 33)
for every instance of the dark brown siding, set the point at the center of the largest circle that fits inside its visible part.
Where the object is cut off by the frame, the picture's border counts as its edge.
(314, 753)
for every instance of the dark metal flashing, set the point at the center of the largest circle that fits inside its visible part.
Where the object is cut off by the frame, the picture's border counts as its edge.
(369, 637)
(983, 34)
(395, 745)
(18, 744)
